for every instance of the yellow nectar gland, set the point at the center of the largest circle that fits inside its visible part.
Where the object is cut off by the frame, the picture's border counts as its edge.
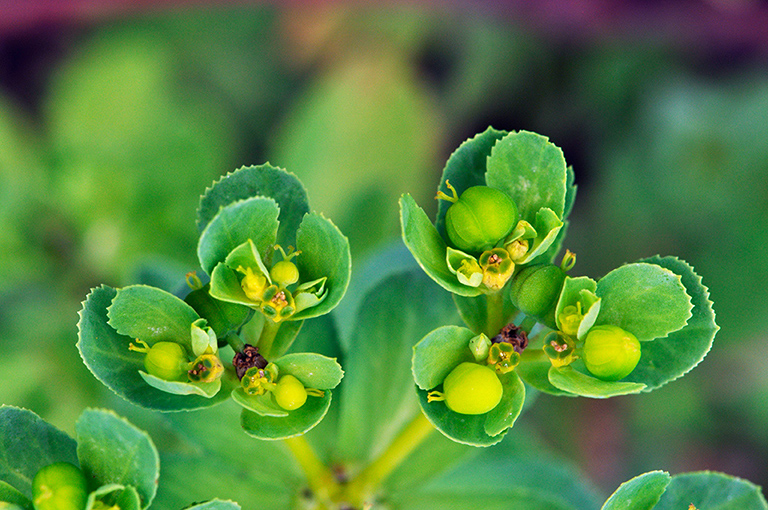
(253, 284)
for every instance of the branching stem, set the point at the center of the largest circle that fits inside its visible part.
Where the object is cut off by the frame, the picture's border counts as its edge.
(267, 338)
(321, 481)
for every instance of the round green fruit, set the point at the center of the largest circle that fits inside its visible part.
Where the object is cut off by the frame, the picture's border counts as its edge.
(166, 360)
(536, 289)
(59, 486)
(480, 218)
(610, 353)
(472, 389)
(284, 273)
(290, 394)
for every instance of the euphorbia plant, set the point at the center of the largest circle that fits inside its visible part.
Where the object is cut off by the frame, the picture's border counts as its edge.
(493, 315)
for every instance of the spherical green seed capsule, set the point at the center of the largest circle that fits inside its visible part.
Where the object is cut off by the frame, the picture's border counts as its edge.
(480, 218)
(535, 290)
(290, 394)
(472, 389)
(610, 353)
(167, 360)
(59, 486)
(284, 273)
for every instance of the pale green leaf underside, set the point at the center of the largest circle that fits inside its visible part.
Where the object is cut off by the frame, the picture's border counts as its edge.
(531, 170)
(152, 315)
(534, 369)
(639, 493)
(647, 300)
(296, 423)
(438, 353)
(263, 405)
(207, 390)
(113, 451)
(121, 496)
(324, 254)
(572, 381)
(105, 353)
(428, 248)
(254, 218)
(215, 504)
(8, 494)
(313, 370)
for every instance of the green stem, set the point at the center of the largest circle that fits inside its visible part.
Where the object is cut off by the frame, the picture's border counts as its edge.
(363, 485)
(267, 338)
(495, 318)
(321, 481)
(235, 342)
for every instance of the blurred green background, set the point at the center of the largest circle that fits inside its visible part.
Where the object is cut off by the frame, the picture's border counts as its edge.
(113, 122)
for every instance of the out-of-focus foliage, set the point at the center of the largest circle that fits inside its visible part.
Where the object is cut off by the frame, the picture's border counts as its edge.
(141, 114)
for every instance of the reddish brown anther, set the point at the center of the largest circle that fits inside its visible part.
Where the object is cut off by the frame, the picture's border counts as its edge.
(247, 358)
(514, 335)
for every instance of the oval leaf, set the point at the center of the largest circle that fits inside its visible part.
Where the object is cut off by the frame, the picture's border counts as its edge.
(645, 299)
(253, 218)
(503, 416)
(112, 451)
(27, 443)
(438, 353)
(324, 254)
(462, 428)
(313, 370)
(263, 405)
(534, 369)
(207, 390)
(531, 170)
(464, 169)
(215, 504)
(639, 493)
(8, 494)
(428, 248)
(105, 353)
(262, 180)
(707, 490)
(666, 359)
(297, 422)
(573, 381)
(152, 315)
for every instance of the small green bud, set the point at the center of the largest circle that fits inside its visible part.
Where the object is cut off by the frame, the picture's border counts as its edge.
(470, 389)
(480, 345)
(610, 353)
(535, 291)
(480, 218)
(59, 486)
(165, 360)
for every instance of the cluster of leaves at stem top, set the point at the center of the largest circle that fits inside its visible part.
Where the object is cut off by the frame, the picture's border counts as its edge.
(504, 200)
(270, 263)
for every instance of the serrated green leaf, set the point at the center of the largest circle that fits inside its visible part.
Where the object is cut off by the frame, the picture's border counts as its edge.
(666, 359)
(27, 443)
(710, 490)
(428, 248)
(639, 493)
(263, 405)
(215, 504)
(324, 254)
(462, 428)
(503, 416)
(112, 451)
(261, 180)
(531, 170)
(570, 380)
(645, 299)
(8, 494)
(313, 370)
(465, 168)
(438, 353)
(297, 422)
(105, 353)
(123, 497)
(377, 397)
(152, 315)
(253, 218)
